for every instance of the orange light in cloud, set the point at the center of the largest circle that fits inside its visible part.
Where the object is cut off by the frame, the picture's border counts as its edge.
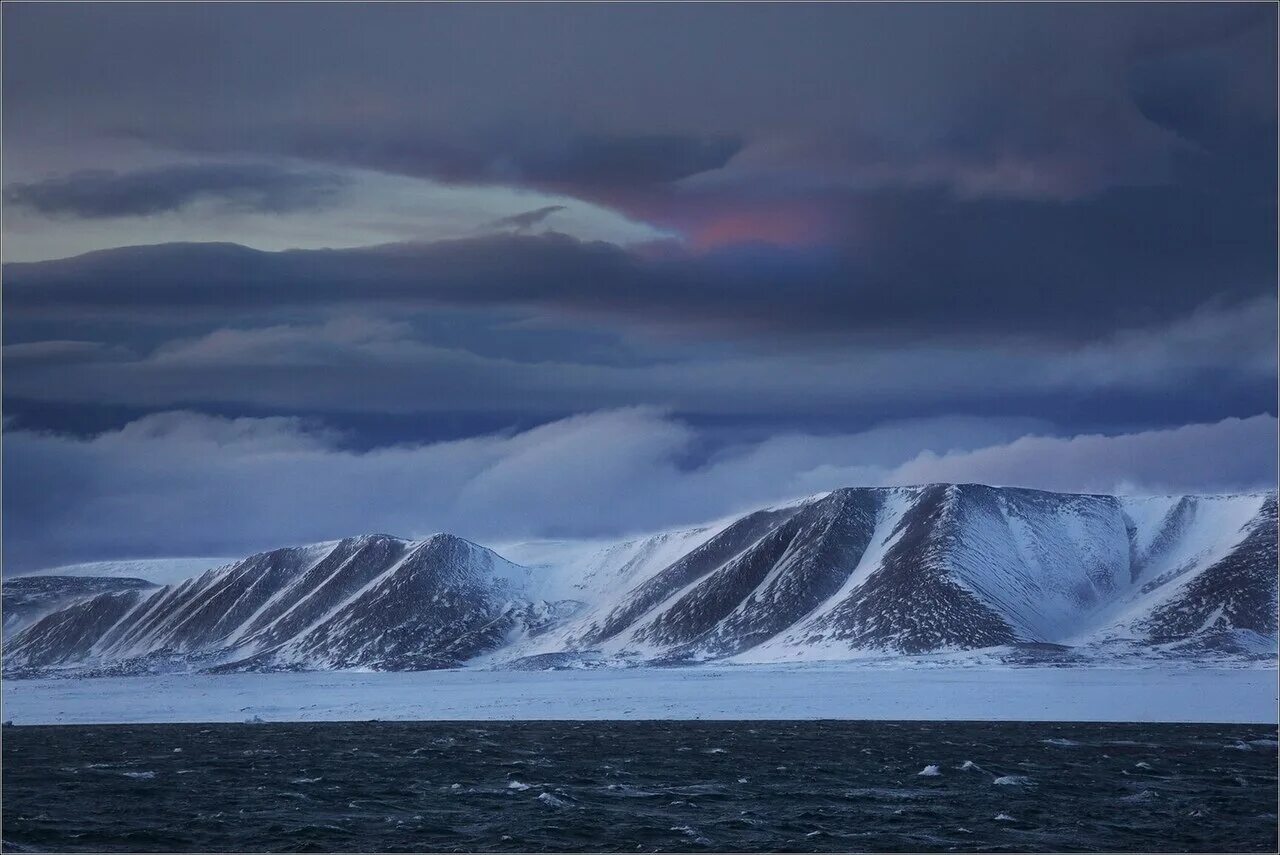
(782, 225)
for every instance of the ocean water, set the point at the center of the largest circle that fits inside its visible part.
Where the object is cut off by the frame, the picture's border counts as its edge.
(648, 786)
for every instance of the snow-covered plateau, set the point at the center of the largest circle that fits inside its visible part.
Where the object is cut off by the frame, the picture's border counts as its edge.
(728, 692)
(858, 575)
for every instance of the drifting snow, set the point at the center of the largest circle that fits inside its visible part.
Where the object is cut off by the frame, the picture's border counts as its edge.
(162, 571)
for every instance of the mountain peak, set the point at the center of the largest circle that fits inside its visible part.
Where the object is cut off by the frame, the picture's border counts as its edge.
(912, 570)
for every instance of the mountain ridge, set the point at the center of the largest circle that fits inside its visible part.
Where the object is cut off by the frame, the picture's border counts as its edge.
(851, 572)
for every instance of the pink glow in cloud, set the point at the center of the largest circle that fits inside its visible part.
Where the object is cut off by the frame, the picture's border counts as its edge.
(794, 224)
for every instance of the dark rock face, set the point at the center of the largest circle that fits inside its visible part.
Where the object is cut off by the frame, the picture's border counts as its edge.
(436, 608)
(772, 583)
(905, 570)
(911, 604)
(688, 569)
(948, 567)
(830, 540)
(27, 598)
(373, 602)
(207, 611)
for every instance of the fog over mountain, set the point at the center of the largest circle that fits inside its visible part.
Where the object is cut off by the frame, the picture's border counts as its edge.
(272, 481)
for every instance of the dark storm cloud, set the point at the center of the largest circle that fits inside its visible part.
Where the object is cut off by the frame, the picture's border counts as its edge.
(909, 170)
(1224, 359)
(1031, 101)
(107, 193)
(924, 265)
(593, 165)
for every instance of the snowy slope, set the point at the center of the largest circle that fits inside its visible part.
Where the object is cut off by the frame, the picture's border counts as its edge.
(366, 602)
(587, 570)
(1208, 572)
(855, 573)
(1045, 568)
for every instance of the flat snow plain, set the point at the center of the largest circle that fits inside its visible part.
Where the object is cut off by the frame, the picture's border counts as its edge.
(813, 691)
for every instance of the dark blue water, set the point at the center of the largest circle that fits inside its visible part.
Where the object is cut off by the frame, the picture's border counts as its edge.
(652, 786)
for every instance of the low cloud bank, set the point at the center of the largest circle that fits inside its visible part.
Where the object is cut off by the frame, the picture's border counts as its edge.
(181, 483)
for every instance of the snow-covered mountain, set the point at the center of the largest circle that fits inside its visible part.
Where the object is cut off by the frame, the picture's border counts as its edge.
(374, 601)
(855, 572)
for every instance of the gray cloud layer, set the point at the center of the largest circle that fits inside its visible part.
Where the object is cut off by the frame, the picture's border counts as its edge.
(108, 193)
(1033, 101)
(371, 365)
(1081, 283)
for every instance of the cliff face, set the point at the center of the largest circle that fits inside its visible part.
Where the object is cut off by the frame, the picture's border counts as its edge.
(886, 570)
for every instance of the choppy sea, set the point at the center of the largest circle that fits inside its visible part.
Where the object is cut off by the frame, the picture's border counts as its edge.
(640, 786)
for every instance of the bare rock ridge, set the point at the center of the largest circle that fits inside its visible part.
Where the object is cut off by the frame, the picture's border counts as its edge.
(851, 573)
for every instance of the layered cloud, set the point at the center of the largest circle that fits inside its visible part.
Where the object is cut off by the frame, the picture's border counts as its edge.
(683, 255)
(99, 193)
(183, 483)
(1208, 364)
(680, 116)
(274, 207)
(1065, 276)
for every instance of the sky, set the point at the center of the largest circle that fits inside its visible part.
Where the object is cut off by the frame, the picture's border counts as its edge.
(280, 273)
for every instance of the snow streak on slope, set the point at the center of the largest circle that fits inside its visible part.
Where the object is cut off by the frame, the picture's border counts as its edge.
(935, 568)
(915, 601)
(853, 573)
(371, 602)
(805, 639)
(584, 578)
(1209, 562)
(588, 570)
(1078, 570)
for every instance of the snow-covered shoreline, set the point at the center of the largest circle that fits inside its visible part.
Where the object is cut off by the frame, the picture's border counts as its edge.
(1158, 693)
